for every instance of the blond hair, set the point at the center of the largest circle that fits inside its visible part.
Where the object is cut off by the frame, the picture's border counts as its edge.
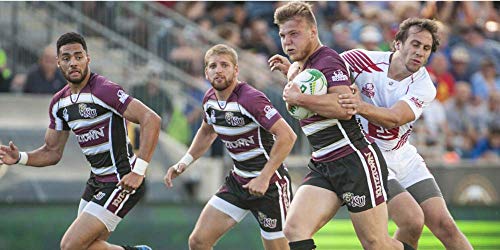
(222, 49)
(292, 10)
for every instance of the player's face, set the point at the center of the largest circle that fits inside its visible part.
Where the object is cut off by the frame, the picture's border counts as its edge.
(221, 72)
(417, 48)
(297, 38)
(73, 62)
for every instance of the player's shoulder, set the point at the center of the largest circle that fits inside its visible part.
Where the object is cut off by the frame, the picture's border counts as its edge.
(423, 84)
(246, 92)
(63, 93)
(325, 53)
(357, 55)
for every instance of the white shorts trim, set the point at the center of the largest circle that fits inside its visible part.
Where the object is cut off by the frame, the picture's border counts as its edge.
(235, 212)
(109, 219)
(271, 235)
(82, 205)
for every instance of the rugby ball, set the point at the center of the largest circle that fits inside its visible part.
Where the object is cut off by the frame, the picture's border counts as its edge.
(310, 82)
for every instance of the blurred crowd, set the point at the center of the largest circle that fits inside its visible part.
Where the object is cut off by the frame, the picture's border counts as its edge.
(463, 123)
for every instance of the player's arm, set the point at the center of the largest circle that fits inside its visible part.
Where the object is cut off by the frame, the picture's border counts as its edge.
(201, 143)
(49, 154)
(150, 124)
(398, 114)
(325, 105)
(284, 141)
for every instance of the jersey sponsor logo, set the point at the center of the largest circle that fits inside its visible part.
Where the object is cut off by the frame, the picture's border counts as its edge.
(354, 200)
(417, 102)
(65, 114)
(86, 112)
(374, 172)
(339, 76)
(267, 222)
(234, 120)
(122, 96)
(368, 90)
(116, 202)
(270, 111)
(99, 196)
(242, 142)
(91, 135)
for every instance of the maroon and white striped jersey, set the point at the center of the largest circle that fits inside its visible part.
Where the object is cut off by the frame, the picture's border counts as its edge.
(243, 123)
(332, 139)
(95, 115)
(369, 72)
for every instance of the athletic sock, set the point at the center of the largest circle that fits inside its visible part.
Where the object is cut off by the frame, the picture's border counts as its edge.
(302, 245)
(407, 247)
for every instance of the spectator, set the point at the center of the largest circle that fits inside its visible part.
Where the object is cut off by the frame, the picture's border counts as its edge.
(5, 73)
(44, 78)
(342, 40)
(477, 45)
(459, 63)
(488, 148)
(154, 97)
(466, 123)
(370, 38)
(445, 81)
(486, 80)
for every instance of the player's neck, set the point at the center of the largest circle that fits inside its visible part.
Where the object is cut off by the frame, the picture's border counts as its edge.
(397, 70)
(315, 47)
(76, 88)
(225, 94)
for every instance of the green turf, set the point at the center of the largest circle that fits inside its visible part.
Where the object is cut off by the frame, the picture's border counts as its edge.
(339, 234)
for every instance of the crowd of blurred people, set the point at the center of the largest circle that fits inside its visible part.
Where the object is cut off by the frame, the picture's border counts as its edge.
(462, 123)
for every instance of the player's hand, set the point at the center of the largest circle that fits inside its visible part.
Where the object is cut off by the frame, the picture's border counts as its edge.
(257, 186)
(131, 181)
(291, 93)
(352, 101)
(173, 172)
(280, 63)
(293, 71)
(9, 154)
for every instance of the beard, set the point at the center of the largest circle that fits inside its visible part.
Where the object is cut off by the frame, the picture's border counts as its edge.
(78, 80)
(224, 84)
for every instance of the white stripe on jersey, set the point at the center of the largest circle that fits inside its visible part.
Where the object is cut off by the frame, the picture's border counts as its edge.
(318, 126)
(245, 174)
(93, 150)
(82, 123)
(85, 98)
(330, 148)
(104, 170)
(231, 131)
(243, 156)
(230, 106)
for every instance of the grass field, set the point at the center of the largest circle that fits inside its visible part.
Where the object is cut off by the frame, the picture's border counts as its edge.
(167, 227)
(339, 234)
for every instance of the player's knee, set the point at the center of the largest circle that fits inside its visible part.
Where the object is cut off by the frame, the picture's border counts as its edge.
(447, 227)
(413, 225)
(292, 231)
(197, 242)
(69, 244)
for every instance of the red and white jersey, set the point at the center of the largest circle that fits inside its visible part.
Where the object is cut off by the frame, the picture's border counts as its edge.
(369, 72)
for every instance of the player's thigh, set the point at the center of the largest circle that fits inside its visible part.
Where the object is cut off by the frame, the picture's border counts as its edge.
(311, 208)
(435, 211)
(275, 244)
(403, 208)
(84, 230)
(212, 224)
(372, 223)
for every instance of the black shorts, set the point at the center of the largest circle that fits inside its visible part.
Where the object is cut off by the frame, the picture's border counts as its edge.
(269, 210)
(359, 179)
(111, 197)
